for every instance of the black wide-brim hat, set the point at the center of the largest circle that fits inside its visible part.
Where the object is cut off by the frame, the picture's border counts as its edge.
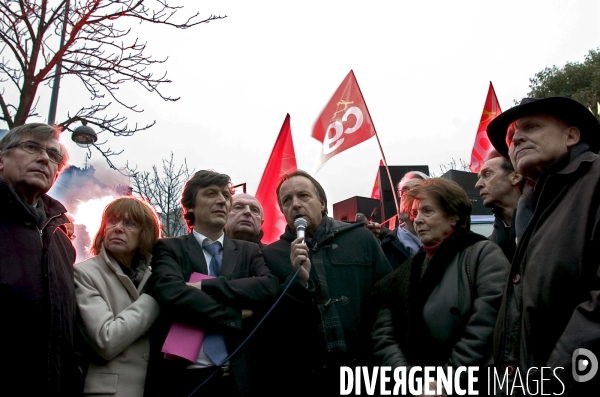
(570, 111)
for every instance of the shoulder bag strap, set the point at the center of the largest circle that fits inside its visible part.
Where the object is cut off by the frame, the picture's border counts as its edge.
(468, 270)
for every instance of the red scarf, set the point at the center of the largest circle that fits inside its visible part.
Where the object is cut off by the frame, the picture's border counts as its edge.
(430, 249)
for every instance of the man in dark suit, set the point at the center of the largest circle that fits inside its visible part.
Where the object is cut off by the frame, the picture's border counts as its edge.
(222, 306)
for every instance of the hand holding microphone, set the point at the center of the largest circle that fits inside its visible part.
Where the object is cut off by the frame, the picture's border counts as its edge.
(299, 251)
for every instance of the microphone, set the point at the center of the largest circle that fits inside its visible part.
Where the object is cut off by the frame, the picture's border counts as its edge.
(300, 224)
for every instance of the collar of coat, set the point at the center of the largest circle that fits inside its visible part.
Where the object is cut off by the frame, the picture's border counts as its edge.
(326, 230)
(569, 164)
(405, 292)
(141, 272)
(10, 199)
(390, 237)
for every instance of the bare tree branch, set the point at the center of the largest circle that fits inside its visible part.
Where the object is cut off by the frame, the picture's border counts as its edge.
(163, 190)
(102, 55)
(452, 165)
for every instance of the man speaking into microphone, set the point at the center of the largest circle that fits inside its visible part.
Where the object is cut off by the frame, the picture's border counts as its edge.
(324, 321)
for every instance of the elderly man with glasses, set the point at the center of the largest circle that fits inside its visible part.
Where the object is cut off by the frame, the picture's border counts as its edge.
(37, 298)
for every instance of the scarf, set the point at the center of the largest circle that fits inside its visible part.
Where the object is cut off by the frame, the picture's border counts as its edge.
(331, 326)
(135, 273)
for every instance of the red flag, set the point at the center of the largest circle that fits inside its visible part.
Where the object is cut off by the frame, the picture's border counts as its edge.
(483, 146)
(375, 194)
(345, 121)
(282, 161)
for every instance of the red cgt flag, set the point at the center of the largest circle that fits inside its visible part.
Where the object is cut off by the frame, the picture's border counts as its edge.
(483, 146)
(375, 194)
(345, 121)
(282, 161)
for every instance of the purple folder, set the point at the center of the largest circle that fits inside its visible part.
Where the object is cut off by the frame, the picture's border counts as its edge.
(184, 341)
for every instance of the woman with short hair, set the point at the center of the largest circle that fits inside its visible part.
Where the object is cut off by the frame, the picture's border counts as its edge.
(115, 313)
(440, 306)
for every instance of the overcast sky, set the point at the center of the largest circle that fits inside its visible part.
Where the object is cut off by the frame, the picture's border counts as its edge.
(423, 66)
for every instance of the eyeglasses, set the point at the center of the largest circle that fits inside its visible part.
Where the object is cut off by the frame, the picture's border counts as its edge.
(113, 221)
(32, 147)
(240, 207)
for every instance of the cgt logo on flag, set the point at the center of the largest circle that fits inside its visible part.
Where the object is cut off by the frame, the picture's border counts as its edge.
(330, 144)
(345, 121)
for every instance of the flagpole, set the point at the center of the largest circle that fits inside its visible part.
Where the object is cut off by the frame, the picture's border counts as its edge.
(380, 149)
(389, 175)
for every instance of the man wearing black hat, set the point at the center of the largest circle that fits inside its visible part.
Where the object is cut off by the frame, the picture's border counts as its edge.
(551, 306)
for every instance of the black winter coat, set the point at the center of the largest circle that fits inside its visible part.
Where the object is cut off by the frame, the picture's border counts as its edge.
(504, 236)
(394, 250)
(37, 300)
(291, 357)
(446, 316)
(551, 305)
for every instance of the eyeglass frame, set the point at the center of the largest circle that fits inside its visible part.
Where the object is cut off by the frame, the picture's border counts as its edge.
(128, 223)
(60, 156)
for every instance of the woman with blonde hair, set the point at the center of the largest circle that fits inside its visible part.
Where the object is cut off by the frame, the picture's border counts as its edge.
(115, 313)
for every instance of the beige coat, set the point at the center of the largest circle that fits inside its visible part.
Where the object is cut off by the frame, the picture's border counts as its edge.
(115, 317)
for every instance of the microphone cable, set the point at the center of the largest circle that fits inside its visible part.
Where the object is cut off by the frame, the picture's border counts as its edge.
(250, 334)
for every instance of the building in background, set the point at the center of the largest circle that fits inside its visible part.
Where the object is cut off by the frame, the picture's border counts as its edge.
(482, 219)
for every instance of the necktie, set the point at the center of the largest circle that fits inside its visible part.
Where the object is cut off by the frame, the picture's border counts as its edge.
(214, 345)
(214, 249)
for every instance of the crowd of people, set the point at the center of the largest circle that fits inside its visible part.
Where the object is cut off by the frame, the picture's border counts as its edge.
(282, 319)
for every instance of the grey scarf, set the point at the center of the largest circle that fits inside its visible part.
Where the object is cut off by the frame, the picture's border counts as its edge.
(331, 326)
